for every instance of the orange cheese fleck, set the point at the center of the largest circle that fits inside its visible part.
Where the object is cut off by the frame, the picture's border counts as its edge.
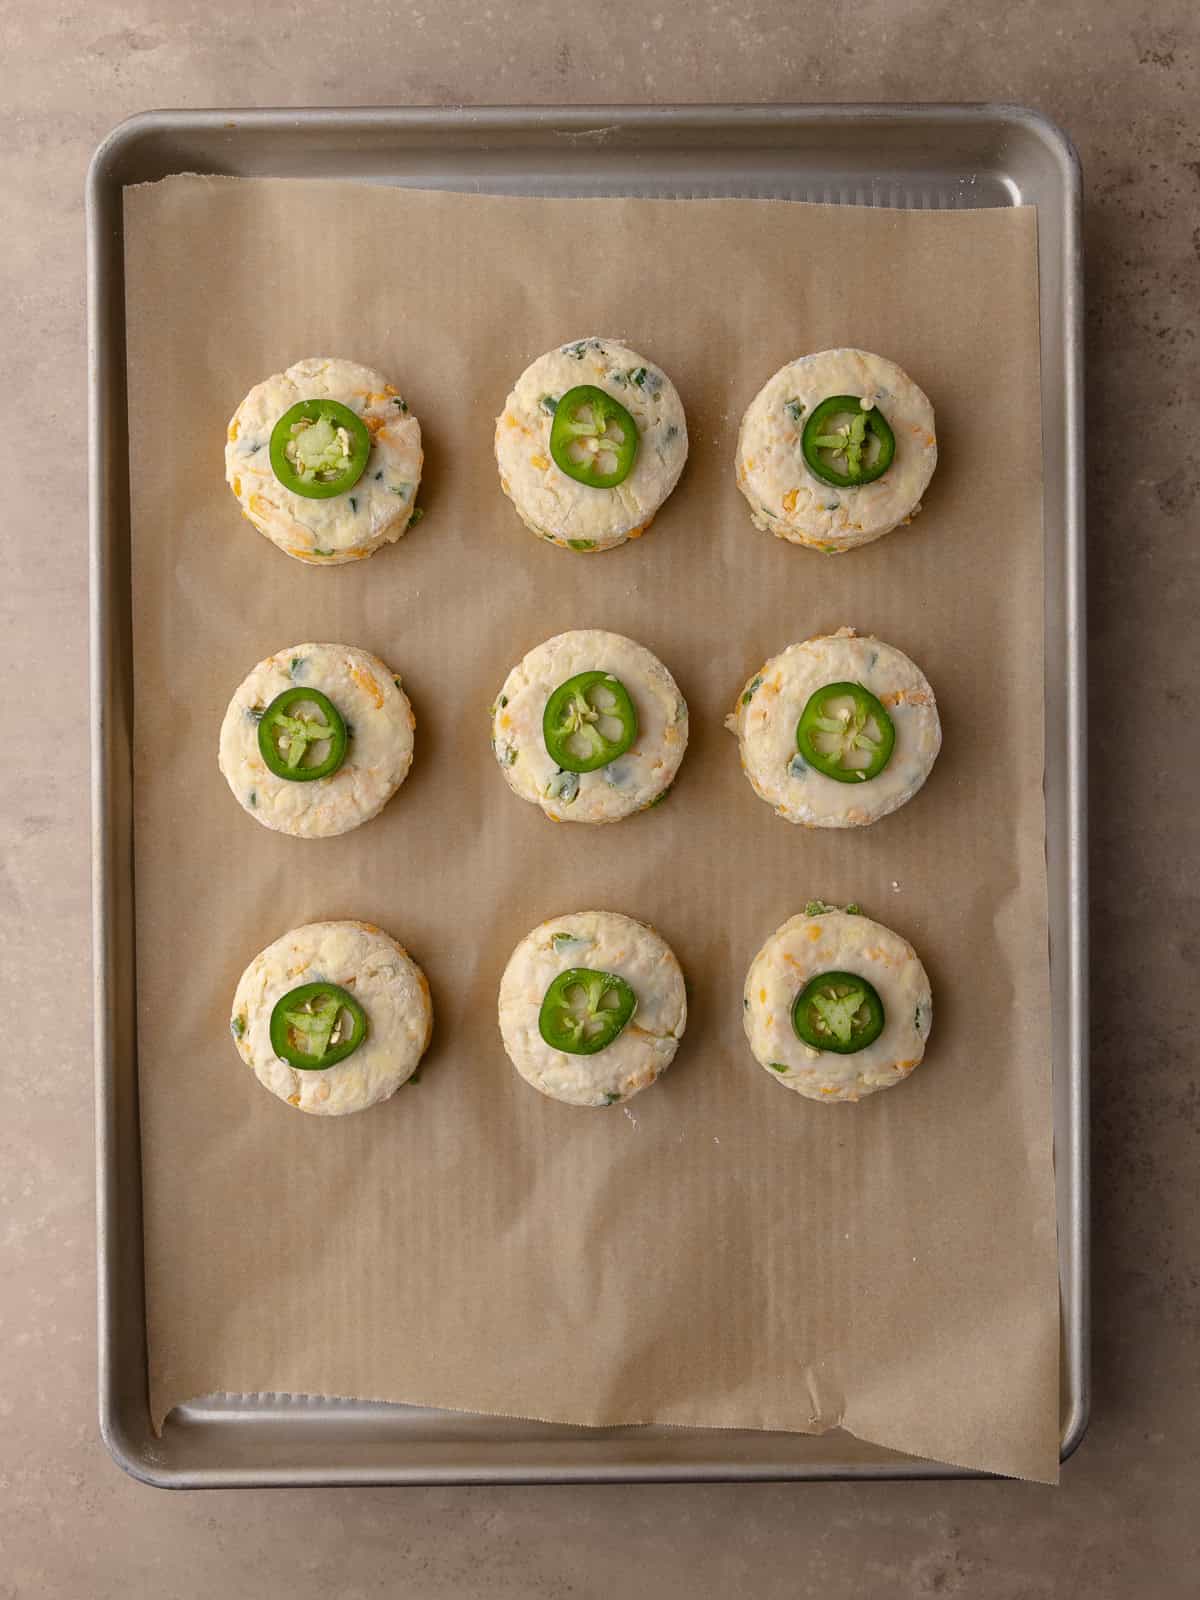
(789, 500)
(368, 685)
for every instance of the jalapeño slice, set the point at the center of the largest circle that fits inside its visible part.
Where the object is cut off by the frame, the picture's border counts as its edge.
(846, 733)
(838, 1011)
(316, 1026)
(593, 439)
(844, 444)
(288, 734)
(319, 448)
(583, 1011)
(589, 721)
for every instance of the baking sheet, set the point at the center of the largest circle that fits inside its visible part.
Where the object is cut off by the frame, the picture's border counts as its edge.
(715, 1256)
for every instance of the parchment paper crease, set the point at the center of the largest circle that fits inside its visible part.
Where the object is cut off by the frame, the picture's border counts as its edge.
(719, 1252)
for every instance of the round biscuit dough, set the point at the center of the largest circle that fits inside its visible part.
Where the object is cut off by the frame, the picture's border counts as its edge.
(388, 984)
(349, 526)
(379, 752)
(552, 504)
(788, 500)
(636, 780)
(604, 941)
(836, 941)
(768, 708)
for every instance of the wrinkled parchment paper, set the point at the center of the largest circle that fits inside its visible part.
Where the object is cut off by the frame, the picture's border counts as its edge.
(719, 1252)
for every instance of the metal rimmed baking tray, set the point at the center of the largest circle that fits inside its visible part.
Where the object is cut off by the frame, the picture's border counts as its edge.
(940, 157)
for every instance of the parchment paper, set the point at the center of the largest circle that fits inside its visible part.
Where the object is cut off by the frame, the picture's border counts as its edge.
(720, 1252)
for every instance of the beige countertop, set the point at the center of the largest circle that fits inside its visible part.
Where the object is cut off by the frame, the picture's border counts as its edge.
(1124, 80)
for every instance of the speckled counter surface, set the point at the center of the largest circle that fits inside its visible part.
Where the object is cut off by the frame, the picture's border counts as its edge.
(1124, 79)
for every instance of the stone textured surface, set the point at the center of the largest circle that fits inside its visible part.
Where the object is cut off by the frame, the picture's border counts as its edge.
(1125, 80)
